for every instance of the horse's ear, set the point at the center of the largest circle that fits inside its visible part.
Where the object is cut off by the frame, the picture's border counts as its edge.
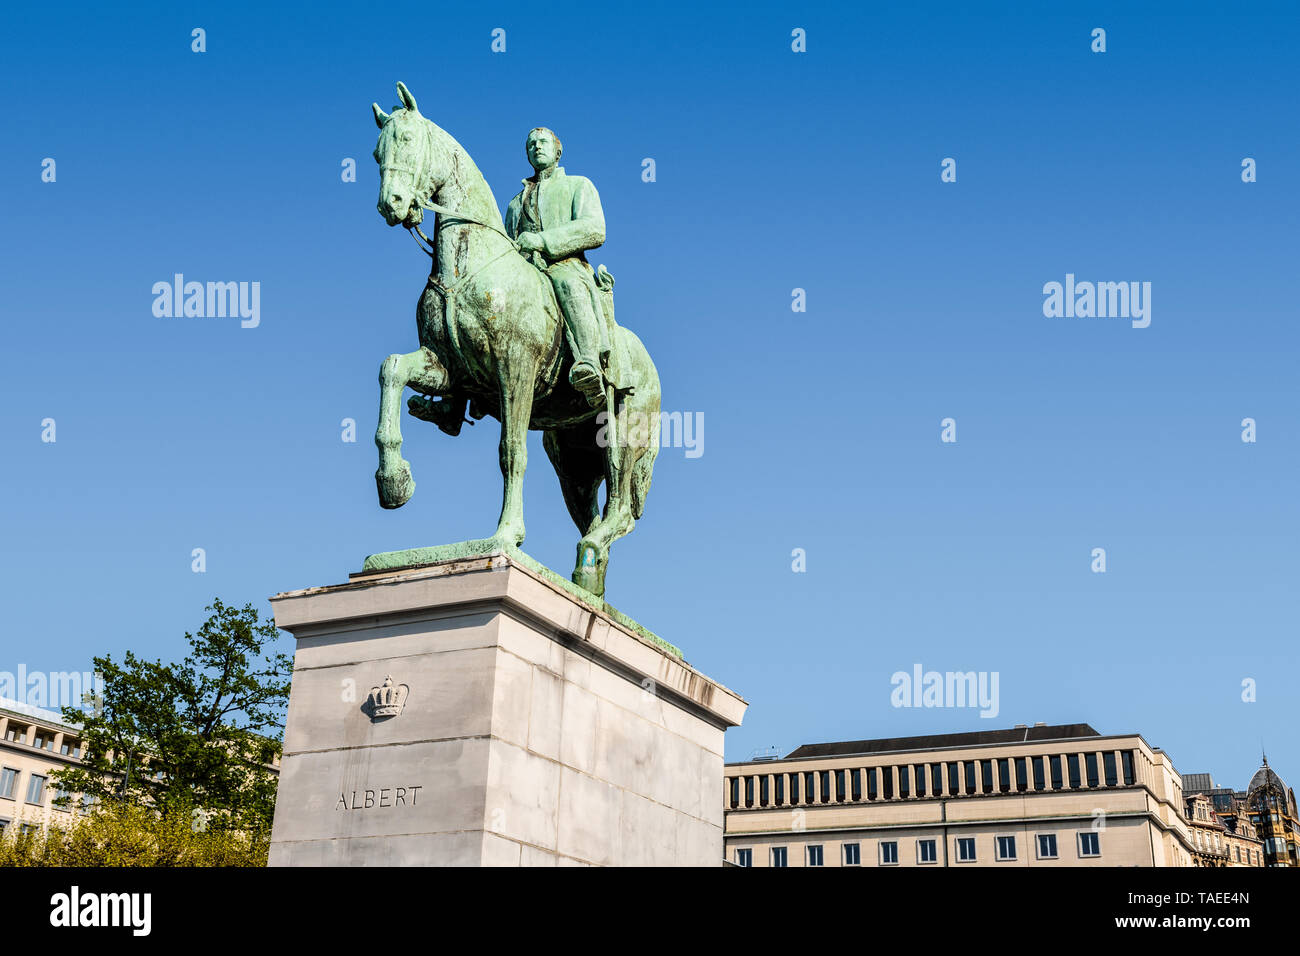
(407, 99)
(380, 116)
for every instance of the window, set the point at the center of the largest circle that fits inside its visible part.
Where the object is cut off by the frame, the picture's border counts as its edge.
(852, 854)
(745, 857)
(926, 851)
(815, 856)
(936, 779)
(1126, 763)
(1006, 848)
(871, 784)
(839, 786)
(1040, 782)
(44, 740)
(970, 776)
(71, 748)
(1090, 762)
(809, 793)
(887, 782)
(1057, 780)
(965, 849)
(749, 791)
(855, 786)
(794, 788)
(779, 856)
(1089, 843)
(888, 853)
(780, 789)
(60, 794)
(987, 776)
(735, 791)
(1075, 780)
(954, 779)
(904, 782)
(87, 802)
(919, 777)
(764, 795)
(4, 825)
(1022, 775)
(36, 789)
(8, 777)
(1108, 767)
(26, 828)
(825, 795)
(1047, 846)
(1004, 775)
(16, 733)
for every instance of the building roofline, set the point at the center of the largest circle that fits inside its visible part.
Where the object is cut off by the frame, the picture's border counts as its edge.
(16, 708)
(960, 741)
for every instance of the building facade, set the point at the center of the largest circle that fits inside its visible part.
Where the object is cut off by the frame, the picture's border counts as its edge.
(1220, 838)
(33, 744)
(1030, 796)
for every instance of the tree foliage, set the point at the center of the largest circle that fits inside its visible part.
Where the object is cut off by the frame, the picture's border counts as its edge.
(122, 834)
(198, 735)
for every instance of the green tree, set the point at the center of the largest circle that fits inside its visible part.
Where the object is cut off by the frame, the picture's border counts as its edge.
(193, 739)
(122, 834)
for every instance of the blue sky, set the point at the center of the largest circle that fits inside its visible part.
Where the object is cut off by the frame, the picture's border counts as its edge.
(775, 171)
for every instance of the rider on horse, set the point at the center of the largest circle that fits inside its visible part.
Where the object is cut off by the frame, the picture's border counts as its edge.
(559, 217)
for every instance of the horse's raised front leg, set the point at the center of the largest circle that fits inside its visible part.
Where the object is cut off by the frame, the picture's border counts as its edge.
(422, 369)
(517, 386)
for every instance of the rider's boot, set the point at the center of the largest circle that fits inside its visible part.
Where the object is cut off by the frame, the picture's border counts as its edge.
(587, 379)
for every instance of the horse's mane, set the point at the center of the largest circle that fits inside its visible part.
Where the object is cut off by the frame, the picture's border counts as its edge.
(465, 171)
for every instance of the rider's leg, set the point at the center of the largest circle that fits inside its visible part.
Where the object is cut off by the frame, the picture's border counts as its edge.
(572, 282)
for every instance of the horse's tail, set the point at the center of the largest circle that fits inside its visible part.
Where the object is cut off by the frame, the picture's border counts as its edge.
(644, 469)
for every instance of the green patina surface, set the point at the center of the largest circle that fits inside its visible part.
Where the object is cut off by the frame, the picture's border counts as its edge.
(487, 547)
(515, 324)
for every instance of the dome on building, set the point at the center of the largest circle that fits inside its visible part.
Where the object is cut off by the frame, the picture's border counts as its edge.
(1266, 779)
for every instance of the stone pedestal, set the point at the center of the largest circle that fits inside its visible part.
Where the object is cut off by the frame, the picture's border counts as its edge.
(532, 727)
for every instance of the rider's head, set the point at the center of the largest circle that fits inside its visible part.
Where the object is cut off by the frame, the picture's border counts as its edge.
(543, 148)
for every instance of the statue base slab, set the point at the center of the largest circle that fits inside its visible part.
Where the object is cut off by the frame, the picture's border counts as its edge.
(491, 547)
(523, 725)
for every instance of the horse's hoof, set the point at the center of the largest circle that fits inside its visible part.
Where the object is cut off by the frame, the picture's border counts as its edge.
(395, 490)
(589, 574)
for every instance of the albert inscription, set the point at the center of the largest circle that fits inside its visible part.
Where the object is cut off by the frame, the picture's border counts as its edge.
(383, 797)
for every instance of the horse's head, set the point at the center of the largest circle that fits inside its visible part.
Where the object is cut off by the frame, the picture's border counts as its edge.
(405, 157)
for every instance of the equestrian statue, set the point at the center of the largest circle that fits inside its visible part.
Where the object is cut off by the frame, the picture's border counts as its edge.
(514, 323)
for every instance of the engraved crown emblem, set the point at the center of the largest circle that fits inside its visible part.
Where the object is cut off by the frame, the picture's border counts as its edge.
(388, 699)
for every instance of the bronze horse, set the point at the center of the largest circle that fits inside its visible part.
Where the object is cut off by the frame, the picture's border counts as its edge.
(492, 341)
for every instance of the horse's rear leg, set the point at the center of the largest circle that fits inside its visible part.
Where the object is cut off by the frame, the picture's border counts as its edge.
(422, 369)
(580, 466)
(516, 386)
(636, 440)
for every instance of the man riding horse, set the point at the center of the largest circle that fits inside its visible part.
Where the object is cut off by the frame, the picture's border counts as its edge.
(558, 217)
(501, 299)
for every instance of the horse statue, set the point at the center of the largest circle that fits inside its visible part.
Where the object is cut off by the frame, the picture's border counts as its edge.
(492, 340)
